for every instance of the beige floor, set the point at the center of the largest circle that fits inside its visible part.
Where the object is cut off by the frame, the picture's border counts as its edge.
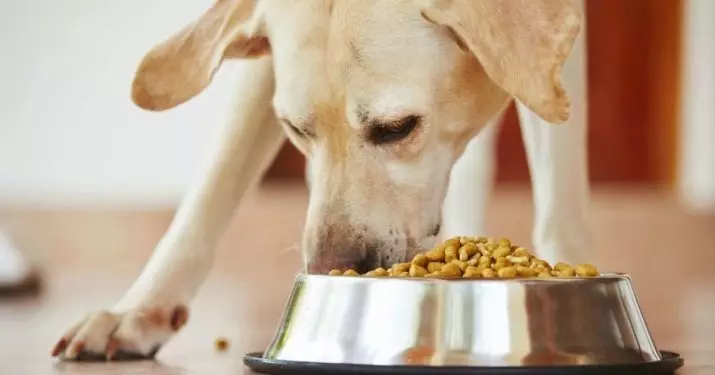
(90, 257)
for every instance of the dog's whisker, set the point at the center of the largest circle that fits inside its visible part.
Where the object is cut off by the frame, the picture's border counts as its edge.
(287, 250)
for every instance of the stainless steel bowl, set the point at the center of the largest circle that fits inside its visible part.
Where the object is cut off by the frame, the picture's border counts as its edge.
(484, 322)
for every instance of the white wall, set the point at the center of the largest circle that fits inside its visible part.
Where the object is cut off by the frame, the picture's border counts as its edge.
(68, 130)
(697, 139)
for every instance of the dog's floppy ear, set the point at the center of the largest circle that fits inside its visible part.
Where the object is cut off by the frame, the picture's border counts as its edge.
(522, 45)
(182, 66)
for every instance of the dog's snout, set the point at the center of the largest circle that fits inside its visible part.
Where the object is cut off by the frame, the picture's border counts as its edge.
(335, 247)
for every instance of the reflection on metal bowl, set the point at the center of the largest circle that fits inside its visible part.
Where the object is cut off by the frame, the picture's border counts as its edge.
(482, 322)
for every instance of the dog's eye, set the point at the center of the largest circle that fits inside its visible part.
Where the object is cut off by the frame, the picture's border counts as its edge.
(393, 132)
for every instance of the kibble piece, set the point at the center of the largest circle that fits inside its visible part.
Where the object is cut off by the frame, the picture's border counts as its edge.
(538, 263)
(401, 267)
(504, 243)
(489, 273)
(473, 261)
(484, 261)
(560, 266)
(501, 252)
(586, 270)
(506, 272)
(434, 266)
(377, 272)
(500, 263)
(351, 273)
(522, 252)
(435, 255)
(472, 273)
(450, 254)
(221, 344)
(335, 273)
(463, 254)
(471, 248)
(420, 259)
(467, 251)
(522, 260)
(434, 275)
(454, 241)
(451, 269)
(417, 271)
(544, 275)
(462, 265)
(404, 274)
(524, 271)
(566, 272)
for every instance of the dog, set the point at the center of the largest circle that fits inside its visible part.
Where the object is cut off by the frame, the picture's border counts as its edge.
(382, 96)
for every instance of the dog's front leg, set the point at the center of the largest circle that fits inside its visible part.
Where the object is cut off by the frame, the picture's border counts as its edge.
(155, 306)
(470, 185)
(557, 157)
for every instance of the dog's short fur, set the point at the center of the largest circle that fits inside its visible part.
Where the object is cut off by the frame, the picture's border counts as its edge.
(382, 96)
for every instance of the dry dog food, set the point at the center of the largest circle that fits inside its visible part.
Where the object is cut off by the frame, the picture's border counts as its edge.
(221, 344)
(477, 257)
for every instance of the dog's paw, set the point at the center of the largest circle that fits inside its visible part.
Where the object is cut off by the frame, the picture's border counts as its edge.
(136, 334)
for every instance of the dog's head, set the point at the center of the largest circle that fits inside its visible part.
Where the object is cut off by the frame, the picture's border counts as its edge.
(381, 95)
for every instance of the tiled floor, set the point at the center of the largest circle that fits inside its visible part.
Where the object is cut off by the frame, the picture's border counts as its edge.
(89, 258)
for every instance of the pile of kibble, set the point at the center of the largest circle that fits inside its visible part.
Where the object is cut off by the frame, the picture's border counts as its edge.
(477, 257)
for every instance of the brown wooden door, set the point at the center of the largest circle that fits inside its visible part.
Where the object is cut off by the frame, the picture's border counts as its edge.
(633, 51)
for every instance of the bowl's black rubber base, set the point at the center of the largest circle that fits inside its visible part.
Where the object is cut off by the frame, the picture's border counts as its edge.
(255, 361)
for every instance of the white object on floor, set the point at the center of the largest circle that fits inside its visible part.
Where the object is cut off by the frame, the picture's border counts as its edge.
(557, 157)
(14, 267)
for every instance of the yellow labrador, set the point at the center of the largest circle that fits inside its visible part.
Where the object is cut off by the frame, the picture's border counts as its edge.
(383, 96)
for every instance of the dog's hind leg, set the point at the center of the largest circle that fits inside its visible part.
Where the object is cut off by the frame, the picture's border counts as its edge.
(557, 158)
(470, 185)
(155, 306)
